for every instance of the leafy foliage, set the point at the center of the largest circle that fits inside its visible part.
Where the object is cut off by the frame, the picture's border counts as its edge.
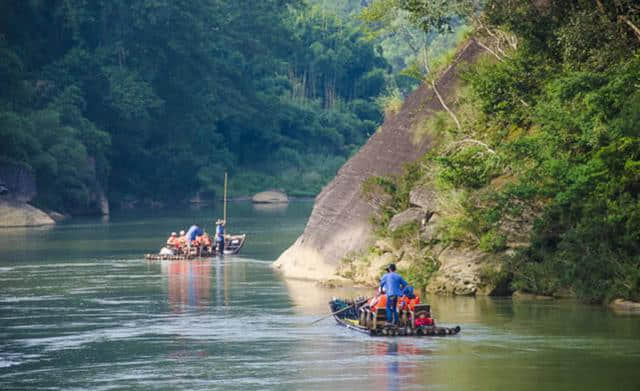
(554, 146)
(155, 99)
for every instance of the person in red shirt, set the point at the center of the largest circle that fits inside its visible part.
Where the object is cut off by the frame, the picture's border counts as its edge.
(424, 319)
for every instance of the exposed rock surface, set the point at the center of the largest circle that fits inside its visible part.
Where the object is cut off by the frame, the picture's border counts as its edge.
(270, 197)
(521, 295)
(57, 217)
(20, 214)
(423, 197)
(459, 272)
(627, 306)
(408, 216)
(339, 223)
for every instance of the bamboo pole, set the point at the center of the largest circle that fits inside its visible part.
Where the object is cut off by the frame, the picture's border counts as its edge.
(224, 212)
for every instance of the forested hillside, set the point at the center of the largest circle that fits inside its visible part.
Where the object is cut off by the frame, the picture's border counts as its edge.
(536, 168)
(156, 99)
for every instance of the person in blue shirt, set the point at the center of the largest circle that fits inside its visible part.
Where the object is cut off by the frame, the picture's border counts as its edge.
(393, 284)
(220, 236)
(193, 232)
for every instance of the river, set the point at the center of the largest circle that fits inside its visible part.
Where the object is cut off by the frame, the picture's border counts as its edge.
(81, 309)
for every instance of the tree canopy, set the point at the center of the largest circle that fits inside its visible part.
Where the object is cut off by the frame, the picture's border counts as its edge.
(156, 99)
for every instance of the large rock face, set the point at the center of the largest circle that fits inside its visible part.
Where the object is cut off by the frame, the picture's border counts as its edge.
(339, 223)
(21, 214)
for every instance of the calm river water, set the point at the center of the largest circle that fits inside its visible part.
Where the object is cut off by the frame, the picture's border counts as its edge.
(81, 309)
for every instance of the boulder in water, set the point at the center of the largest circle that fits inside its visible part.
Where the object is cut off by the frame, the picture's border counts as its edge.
(270, 197)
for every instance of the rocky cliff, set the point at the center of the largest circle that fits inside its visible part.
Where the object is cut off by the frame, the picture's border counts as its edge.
(340, 220)
(18, 186)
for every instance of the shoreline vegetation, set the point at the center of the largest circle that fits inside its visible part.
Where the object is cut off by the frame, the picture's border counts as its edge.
(532, 184)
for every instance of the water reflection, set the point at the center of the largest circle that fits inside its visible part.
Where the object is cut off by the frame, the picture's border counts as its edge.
(189, 284)
(397, 369)
(270, 208)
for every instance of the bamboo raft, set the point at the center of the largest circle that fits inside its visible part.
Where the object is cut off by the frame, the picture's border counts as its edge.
(177, 257)
(355, 316)
(233, 244)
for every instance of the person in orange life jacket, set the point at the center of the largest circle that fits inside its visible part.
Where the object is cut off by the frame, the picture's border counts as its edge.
(392, 283)
(182, 240)
(378, 301)
(205, 241)
(409, 299)
(172, 242)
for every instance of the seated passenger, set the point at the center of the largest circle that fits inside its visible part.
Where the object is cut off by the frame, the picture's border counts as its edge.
(424, 319)
(205, 241)
(378, 301)
(408, 300)
(182, 240)
(172, 242)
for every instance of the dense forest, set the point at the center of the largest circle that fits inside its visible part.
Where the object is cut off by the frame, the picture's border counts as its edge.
(155, 100)
(538, 165)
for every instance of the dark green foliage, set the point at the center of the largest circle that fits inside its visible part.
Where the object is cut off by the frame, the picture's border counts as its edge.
(471, 167)
(561, 113)
(574, 146)
(419, 272)
(155, 99)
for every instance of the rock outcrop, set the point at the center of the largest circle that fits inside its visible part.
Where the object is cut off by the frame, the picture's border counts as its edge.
(270, 197)
(340, 220)
(20, 214)
(625, 306)
(411, 215)
(17, 187)
(459, 272)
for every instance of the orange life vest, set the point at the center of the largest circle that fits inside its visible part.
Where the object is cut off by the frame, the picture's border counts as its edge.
(407, 303)
(381, 302)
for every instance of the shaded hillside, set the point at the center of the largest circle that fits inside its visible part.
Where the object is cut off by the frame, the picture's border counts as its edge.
(340, 221)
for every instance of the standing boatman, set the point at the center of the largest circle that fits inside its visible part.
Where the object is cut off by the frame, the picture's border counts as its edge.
(220, 236)
(393, 284)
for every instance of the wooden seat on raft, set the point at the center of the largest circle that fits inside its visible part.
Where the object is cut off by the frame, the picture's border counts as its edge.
(372, 320)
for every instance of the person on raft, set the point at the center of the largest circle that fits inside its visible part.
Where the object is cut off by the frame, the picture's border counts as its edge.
(193, 232)
(393, 284)
(173, 242)
(378, 301)
(220, 236)
(204, 243)
(182, 240)
(408, 300)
